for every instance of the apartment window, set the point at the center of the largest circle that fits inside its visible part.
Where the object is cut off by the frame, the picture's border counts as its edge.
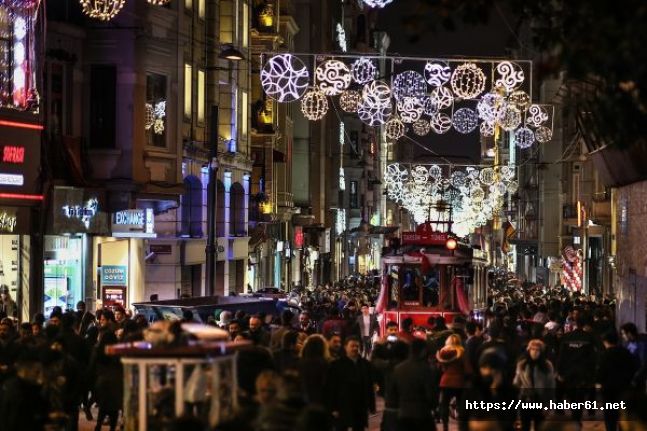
(103, 105)
(155, 122)
(188, 90)
(201, 8)
(246, 24)
(353, 195)
(244, 125)
(201, 90)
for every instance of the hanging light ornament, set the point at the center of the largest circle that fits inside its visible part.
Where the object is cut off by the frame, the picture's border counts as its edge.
(511, 119)
(543, 134)
(513, 186)
(441, 123)
(520, 99)
(103, 10)
(487, 176)
(159, 2)
(511, 75)
(409, 84)
(314, 105)
(410, 109)
(377, 93)
(284, 78)
(149, 116)
(421, 127)
(458, 179)
(465, 120)
(374, 114)
(377, 3)
(524, 137)
(491, 107)
(442, 97)
(486, 129)
(477, 194)
(430, 106)
(363, 70)
(435, 171)
(437, 73)
(468, 81)
(333, 77)
(536, 116)
(394, 129)
(349, 100)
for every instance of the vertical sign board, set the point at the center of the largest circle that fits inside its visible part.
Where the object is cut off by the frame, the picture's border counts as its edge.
(114, 279)
(19, 157)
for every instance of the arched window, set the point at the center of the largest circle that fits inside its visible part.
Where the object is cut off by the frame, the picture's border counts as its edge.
(220, 209)
(192, 207)
(237, 207)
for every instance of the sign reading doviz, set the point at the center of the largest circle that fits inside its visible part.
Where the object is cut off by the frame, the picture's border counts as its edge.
(114, 275)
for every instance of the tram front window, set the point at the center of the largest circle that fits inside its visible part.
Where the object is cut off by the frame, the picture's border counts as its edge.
(412, 286)
(431, 293)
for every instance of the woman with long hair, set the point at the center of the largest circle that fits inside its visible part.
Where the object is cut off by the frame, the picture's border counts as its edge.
(313, 367)
(535, 378)
(456, 368)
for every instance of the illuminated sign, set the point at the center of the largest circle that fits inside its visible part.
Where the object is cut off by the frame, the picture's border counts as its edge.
(7, 222)
(84, 213)
(13, 154)
(12, 180)
(134, 223)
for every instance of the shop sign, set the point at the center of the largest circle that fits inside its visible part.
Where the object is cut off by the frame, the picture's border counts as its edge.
(7, 222)
(12, 179)
(298, 236)
(134, 223)
(13, 154)
(113, 296)
(85, 212)
(161, 248)
(114, 275)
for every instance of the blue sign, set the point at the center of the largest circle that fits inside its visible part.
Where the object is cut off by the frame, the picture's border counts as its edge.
(114, 275)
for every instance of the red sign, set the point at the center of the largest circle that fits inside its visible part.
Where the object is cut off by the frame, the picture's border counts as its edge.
(13, 154)
(424, 235)
(298, 236)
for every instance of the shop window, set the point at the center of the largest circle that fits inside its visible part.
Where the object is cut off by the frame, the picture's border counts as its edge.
(192, 207)
(103, 105)
(17, 56)
(155, 122)
(353, 195)
(237, 208)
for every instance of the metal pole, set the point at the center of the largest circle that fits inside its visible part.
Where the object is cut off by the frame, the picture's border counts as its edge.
(211, 250)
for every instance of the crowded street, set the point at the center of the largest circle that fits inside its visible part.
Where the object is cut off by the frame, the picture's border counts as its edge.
(323, 215)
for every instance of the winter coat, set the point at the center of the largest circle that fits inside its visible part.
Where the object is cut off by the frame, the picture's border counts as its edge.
(312, 373)
(108, 381)
(543, 387)
(412, 387)
(577, 358)
(615, 372)
(350, 391)
(455, 365)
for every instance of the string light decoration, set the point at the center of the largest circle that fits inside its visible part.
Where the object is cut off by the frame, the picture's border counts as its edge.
(349, 100)
(363, 70)
(487, 176)
(409, 84)
(543, 134)
(394, 129)
(284, 78)
(511, 118)
(520, 99)
(536, 116)
(442, 97)
(491, 107)
(374, 114)
(376, 93)
(314, 105)
(159, 2)
(421, 127)
(524, 137)
(154, 117)
(333, 77)
(441, 123)
(103, 10)
(410, 109)
(430, 107)
(486, 129)
(511, 75)
(468, 81)
(377, 3)
(465, 120)
(436, 73)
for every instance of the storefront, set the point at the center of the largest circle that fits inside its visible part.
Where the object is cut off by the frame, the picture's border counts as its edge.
(14, 253)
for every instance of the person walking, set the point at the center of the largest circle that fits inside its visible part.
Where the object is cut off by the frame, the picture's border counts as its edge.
(366, 326)
(535, 378)
(456, 369)
(313, 368)
(107, 375)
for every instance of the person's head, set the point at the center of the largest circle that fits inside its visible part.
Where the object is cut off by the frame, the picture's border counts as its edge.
(365, 309)
(610, 339)
(453, 340)
(267, 384)
(289, 340)
(107, 318)
(473, 329)
(80, 307)
(315, 347)
(418, 349)
(286, 318)
(629, 331)
(36, 328)
(351, 347)
(334, 343)
(491, 366)
(440, 323)
(407, 324)
(391, 328)
(304, 318)
(54, 320)
(4, 293)
(255, 323)
(5, 329)
(120, 314)
(56, 312)
(187, 315)
(535, 349)
(234, 328)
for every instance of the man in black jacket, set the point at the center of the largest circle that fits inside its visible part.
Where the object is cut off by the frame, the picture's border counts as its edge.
(350, 391)
(413, 390)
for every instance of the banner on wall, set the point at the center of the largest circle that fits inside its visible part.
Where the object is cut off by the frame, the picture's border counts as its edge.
(114, 275)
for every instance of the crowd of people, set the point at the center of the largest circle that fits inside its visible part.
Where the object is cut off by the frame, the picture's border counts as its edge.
(326, 368)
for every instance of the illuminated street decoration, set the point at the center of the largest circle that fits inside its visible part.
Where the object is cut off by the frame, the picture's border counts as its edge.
(421, 127)
(468, 81)
(511, 75)
(442, 97)
(159, 2)
(314, 105)
(155, 115)
(349, 100)
(524, 137)
(341, 37)
(410, 109)
(285, 78)
(103, 10)
(520, 99)
(333, 77)
(409, 84)
(377, 3)
(465, 120)
(394, 129)
(536, 116)
(363, 70)
(441, 123)
(543, 134)
(437, 74)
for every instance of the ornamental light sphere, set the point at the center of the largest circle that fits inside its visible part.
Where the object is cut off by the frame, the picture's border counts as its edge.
(437, 73)
(363, 70)
(465, 120)
(314, 105)
(435, 171)
(458, 179)
(487, 176)
(511, 119)
(430, 106)
(491, 107)
(409, 84)
(441, 123)
(524, 137)
(376, 94)
(511, 75)
(486, 129)
(333, 77)
(394, 129)
(349, 100)
(421, 127)
(468, 81)
(536, 116)
(284, 78)
(520, 99)
(410, 109)
(420, 174)
(543, 134)
(513, 186)
(374, 114)
(442, 97)
(103, 10)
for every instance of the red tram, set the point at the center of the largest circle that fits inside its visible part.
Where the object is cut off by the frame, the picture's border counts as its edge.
(432, 274)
